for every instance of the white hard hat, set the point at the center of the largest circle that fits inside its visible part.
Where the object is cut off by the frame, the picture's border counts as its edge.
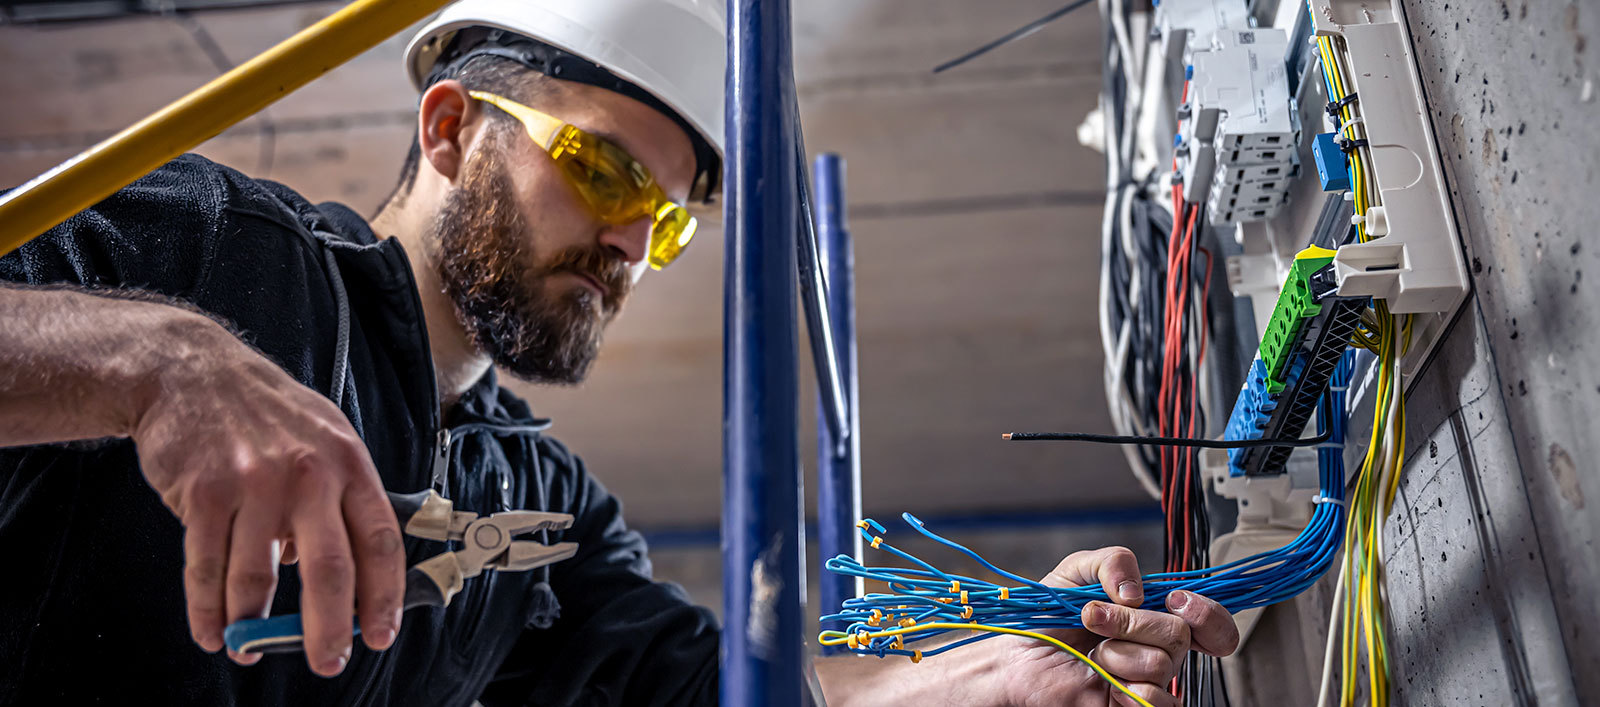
(674, 51)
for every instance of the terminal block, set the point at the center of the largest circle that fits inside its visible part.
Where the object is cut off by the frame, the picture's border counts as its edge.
(1310, 329)
(1298, 303)
(1333, 167)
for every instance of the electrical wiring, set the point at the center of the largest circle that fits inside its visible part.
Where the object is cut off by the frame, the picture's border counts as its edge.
(1162, 441)
(1134, 241)
(926, 602)
(1011, 36)
(1155, 283)
(1358, 615)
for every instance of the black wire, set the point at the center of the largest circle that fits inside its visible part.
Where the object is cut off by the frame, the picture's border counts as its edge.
(1014, 35)
(1163, 441)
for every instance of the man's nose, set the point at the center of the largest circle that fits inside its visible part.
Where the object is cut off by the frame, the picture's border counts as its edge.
(630, 241)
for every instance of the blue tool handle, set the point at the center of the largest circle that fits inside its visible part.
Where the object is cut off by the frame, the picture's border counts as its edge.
(274, 634)
(283, 634)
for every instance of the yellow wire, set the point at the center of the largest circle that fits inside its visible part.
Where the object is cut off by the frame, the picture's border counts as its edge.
(835, 638)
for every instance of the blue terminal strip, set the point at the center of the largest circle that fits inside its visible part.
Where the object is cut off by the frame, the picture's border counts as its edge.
(1333, 167)
(1309, 332)
(1262, 413)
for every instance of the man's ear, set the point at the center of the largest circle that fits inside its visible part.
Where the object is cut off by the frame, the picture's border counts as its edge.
(446, 121)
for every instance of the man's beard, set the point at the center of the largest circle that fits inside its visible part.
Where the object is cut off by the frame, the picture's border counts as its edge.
(500, 285)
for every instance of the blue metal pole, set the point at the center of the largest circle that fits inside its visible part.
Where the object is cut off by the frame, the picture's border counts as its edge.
(762, 532)
(838, 475)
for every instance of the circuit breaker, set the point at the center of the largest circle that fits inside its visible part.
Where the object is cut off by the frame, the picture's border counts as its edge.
(1239, 104)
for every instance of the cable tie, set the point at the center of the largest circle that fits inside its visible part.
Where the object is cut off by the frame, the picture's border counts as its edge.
(1319, 498)
(916, 656)
(1005, 593)
(907, 622)
(955, 586)
(876, 541)
(966, 612)
(963, 596)
(1348, 146)
(1334, 107)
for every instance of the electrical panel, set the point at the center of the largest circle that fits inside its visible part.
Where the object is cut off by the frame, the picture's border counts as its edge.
(1259, 147)
(1302, 156)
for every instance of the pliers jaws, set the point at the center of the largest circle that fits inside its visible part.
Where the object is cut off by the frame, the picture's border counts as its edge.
(487, 542)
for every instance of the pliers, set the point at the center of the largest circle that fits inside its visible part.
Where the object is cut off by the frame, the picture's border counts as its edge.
(486, 543)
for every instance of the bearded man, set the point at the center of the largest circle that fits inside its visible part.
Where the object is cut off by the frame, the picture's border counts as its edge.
(253, 371)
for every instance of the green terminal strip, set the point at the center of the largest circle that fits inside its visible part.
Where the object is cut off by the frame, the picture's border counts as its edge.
(1295, 306)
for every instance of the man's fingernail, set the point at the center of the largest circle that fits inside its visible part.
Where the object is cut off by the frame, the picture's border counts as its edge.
(1129, 590)
(334, 666)
(386, 637)
(1177, 600)
(1096, 612)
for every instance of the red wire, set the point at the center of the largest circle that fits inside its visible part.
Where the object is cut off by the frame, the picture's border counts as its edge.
(1176, 333)
(1194, 403)
(1170, 404)
(1167, 477)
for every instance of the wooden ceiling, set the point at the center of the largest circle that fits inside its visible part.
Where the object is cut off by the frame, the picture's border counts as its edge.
(974, 210)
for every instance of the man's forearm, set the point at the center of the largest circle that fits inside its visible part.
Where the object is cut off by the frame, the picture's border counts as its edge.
(961, 677)
(78, 366)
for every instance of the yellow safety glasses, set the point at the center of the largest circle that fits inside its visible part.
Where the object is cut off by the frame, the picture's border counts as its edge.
(615, 186)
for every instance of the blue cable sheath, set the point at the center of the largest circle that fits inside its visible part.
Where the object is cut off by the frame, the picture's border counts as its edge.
(924, 593)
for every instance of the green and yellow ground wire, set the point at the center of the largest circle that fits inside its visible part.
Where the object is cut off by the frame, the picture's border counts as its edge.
(1359, 611)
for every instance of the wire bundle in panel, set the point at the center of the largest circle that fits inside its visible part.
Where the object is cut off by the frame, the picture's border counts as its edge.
(926, 602)
(1358, 619)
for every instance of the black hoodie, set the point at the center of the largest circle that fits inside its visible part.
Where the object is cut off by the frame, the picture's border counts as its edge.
(91, 595)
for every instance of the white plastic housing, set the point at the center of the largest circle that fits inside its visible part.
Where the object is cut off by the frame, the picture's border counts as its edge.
(1418, 266)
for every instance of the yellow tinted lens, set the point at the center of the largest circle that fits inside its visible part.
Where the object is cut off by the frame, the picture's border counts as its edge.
(600, 183)
(673, 230)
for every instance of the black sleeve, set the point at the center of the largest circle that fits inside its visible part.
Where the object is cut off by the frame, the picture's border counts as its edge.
(158, 235)
(621, 638)
(197, 235)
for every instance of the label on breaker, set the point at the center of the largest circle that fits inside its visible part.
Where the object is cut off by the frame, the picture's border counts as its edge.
(1265, 75)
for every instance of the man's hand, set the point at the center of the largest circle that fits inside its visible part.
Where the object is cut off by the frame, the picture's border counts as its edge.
(251, 461)
(1144, 649)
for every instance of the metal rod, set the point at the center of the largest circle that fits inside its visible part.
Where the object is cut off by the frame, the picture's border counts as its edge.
(820, 325)
(838, 474)
(762, 532)
(100, 171)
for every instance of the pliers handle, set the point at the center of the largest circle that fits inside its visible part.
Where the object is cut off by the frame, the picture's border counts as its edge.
(487, 542)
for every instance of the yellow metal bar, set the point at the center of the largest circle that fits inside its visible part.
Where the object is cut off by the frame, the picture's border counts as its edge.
(100, 171)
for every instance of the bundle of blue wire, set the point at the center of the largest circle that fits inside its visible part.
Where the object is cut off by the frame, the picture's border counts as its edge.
(930, 595)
